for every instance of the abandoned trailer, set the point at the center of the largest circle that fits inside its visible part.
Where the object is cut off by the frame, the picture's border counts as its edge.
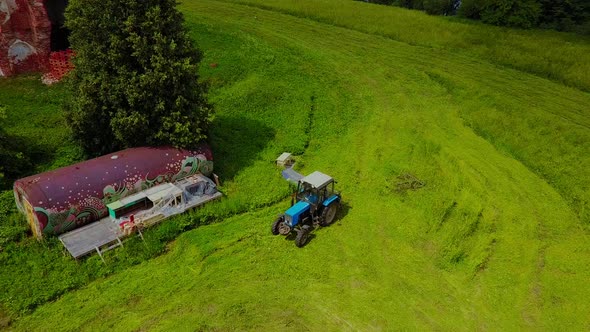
(67, 198)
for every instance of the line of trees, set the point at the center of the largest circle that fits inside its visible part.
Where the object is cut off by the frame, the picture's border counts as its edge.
(563, 15)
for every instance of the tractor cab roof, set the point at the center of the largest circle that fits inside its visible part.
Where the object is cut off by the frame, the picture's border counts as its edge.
(317, 179)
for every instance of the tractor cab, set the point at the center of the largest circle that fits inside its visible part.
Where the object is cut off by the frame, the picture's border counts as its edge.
(317, 204)
(315, 188)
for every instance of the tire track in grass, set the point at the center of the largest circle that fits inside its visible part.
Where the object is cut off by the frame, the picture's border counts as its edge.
(537, 288)
(309, 125)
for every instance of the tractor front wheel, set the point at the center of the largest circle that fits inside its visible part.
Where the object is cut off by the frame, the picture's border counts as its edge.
(302, 236)
(329, 214)
(276, 225)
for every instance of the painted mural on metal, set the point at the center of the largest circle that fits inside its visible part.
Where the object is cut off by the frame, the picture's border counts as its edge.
(73, 196)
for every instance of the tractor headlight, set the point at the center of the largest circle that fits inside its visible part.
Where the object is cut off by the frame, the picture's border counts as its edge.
(288, 219)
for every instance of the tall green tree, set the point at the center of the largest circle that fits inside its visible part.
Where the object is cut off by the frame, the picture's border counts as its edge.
(441, 7)
(135, 80)
(514, 13)
(566, 15)
(471, 9)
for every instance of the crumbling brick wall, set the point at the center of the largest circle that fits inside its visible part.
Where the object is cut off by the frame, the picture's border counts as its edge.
(25, 37)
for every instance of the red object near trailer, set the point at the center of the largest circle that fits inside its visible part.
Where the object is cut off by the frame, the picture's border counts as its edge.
(67, 198)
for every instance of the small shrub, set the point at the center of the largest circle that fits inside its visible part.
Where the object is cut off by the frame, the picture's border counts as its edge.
(513, 13)
(471, 9)
(440, 7)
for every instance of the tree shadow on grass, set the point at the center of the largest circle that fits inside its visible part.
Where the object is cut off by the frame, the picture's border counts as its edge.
(236, 143)
(16, 159)
(22, 156)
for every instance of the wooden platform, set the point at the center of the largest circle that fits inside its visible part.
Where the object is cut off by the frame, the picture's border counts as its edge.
(92, 237)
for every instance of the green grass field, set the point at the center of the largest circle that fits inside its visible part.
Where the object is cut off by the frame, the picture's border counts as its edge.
(498, 239)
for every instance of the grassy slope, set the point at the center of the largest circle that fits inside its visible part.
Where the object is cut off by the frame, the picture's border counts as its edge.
(551, 54)
(488, 243)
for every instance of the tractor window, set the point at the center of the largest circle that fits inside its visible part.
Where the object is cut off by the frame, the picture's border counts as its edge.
(307, 193)
(325, 194)
(312, 196)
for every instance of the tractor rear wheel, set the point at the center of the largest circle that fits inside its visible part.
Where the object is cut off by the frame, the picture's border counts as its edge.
(276, 225)
(329, 214)
(302, 236)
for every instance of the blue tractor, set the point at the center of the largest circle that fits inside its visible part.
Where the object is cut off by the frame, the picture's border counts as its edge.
(317, 205)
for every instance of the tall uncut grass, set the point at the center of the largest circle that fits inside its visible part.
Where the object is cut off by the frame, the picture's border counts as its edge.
(563, 57)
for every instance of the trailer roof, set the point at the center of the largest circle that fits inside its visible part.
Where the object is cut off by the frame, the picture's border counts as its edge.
(158, 192)
(61, 188)
(317, 179)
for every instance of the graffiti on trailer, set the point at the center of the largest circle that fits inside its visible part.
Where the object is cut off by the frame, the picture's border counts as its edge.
(93, 208)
